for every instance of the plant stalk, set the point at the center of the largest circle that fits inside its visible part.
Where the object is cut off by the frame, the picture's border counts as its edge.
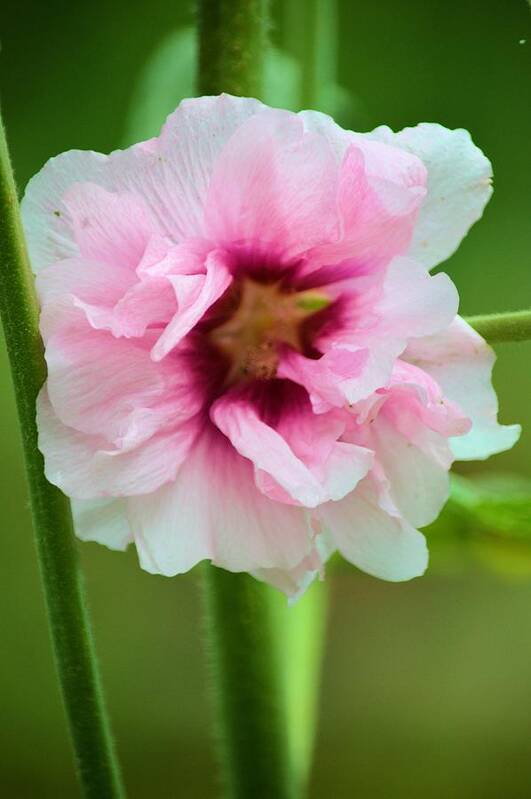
(501, 328)
(232, 43)
(242, 643)
(57, 553)
(244, 660)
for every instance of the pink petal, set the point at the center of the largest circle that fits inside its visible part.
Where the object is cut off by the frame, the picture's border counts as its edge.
(108, 227)
(171, 173)
(459, 186)
(190, 145)
(273, 186)
(461, 362)
(331, 380)
(379, 194)
(91, 282)
(254, 439)
(86, 466)
(110, 387)
(415, 303)
(213, 511)
(301, 459)
(424, 398)
(195, 295)
(415, 467)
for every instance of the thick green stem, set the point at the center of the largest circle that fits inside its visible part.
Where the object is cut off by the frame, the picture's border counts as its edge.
(244, 660)
(61, 575)
(265, 658)
(232, 42)
(502, 327)
(243, 646)
(301, 631)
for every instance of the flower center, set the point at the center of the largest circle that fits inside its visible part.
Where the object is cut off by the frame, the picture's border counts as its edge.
(266, 318)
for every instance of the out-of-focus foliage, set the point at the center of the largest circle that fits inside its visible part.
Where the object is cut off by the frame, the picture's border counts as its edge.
(494, 504)
(488, 518)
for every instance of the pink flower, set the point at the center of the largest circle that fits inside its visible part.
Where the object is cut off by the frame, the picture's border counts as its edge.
(248, 360)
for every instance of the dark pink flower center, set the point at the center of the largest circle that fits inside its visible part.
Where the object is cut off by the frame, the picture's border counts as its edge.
(256, 320)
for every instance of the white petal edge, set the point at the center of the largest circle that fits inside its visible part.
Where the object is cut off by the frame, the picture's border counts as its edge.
(461, 362)
(102, 520)
(381, 544)
(459, 186)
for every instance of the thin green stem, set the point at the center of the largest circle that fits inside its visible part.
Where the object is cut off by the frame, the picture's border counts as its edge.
(244, 661)
(61, 575)
(232, 42)
(502, 327)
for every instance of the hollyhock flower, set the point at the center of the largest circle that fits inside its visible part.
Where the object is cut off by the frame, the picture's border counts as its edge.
(248, 359)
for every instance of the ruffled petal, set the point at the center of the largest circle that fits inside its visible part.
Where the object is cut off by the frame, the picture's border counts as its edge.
(47, 225)
(380, 190)
(332, 380)
(415, 303)
(86, 467)
(301, 459)
(91, 282)
(461, 362)
(376, 540)
(359, 353)
(274, 187)
(269, 452)
(189, 147)
(213, 511)
(459, 186)
(171, 174)
(195, 295)
(415, 467)
(110, 387)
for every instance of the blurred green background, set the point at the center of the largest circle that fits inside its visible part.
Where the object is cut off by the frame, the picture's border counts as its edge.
(426, 685)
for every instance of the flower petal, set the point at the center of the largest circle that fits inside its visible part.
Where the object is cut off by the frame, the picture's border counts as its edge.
(86, 467)
(380, 190)
(195, 295)
(110, 387)
(417, 480)
(108, 227)
(415, 303)
(459, 186)
(171, 173)
(461, 362)
(274, 186)
(269, 452)
(189, 147)
(103, 521)
(374, 540)
(213, 511)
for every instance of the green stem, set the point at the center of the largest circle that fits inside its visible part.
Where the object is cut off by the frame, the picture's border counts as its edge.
(251, 726)
(302, 630)
(251, 719)
(61, 575)
(502, 327)
(232, 42)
